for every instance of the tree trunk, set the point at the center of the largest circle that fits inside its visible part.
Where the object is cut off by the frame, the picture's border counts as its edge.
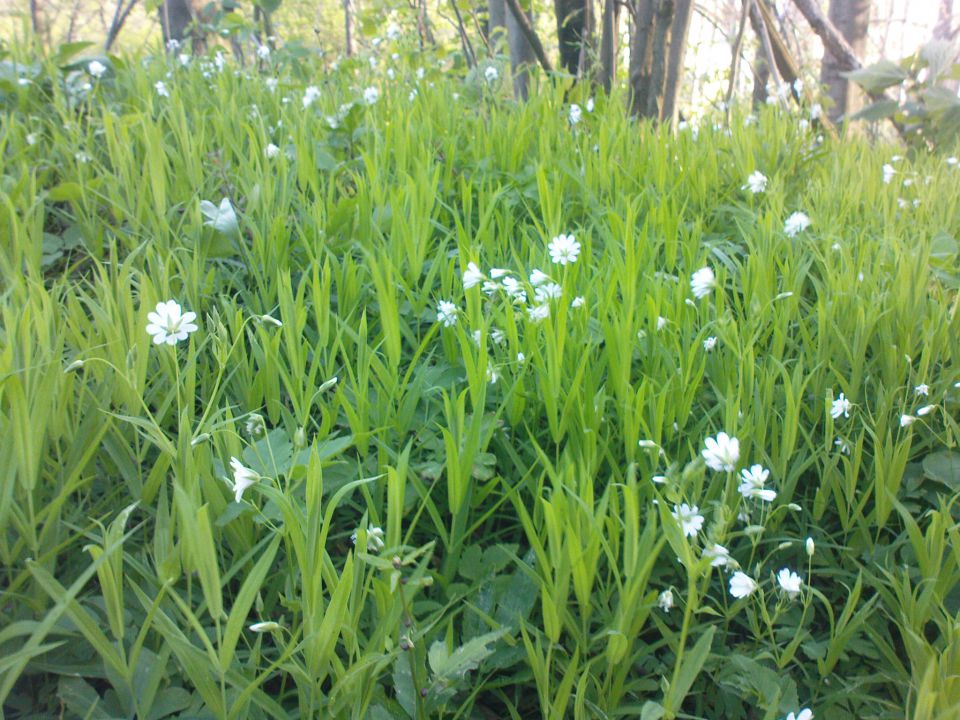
(570, 23)
(852, 19)
(648, 57)
(942, 30)
(348, 26)
(119, 18)
(675, 66)
(176, 17)
(609, 27)
(588, 43)
(497, 24)
(761, 65)
(521, 53)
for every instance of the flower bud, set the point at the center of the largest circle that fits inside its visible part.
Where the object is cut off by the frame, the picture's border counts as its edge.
(262, 627)
(300, 438)
(810, 547)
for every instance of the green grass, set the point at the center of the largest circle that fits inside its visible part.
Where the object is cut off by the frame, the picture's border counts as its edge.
(525, 544)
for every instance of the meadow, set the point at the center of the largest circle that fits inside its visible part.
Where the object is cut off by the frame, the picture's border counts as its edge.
(359, 390)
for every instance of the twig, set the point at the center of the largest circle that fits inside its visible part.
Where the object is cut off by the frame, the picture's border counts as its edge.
(530, 34)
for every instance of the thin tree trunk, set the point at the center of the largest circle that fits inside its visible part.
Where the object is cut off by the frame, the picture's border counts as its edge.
(736, 50)
(175, 17)
(648, 57)
(852, 19)
(588, 43)
(639, 42)
(468, 51)
(348, 26)
(609, 25)
(35, 23)
(675, 65)
(523, 24)
(119, 19)
(497, 22)
(762, 59)
(658, 65)
(570, 27)
(522, 55)
(942, 30)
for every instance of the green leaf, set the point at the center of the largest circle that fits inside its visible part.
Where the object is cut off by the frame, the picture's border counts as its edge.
(877, 77)
(68, 50)
(944, 467)
(455, 665)
(880, 110)
(693, 662)
(80, 697)
(652, 711)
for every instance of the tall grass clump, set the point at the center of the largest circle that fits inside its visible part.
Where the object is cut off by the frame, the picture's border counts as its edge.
(339, 392)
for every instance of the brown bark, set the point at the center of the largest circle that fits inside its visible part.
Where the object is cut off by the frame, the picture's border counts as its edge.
(570, 28)
(120, 16)
(348, 26)
(176, 16)
(648, 57)
(675, 66)
(523, 24)
(942, 30)
(609, 25)
(497, 25)
(852, 19)
(522, 56)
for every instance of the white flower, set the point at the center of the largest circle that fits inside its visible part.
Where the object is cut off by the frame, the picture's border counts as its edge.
(577, 302)
(263, 52)
(472, 276)
(262, 627)
(271, 151)
(842, 445)
(907, 420)
(926, 410)
(689, 518)
(169, 324)
(798, 86)
(371, 95)
(514, 289)
(521, 358)
(742, 585)
(665, 601)
(816, 110)
(840, 406)
(805, 714)
(491, 74)
(710, 343)
(722, 452)
(497, 336)
(752, 482)
(538, 313)
(888, 173)
(393, 31)
(576, 114)
(96, 68)
(589, 105)
(32, 138)
(718, 555)
(271, 83)
(550, 291)
(538, 277)
(310, 95)
(922, 389)
(811, 548)
(243, 477)
(702, 282)
(661, 322)
(564, 249)
(796, 223)
(790, 582)
(756, 182)
(446, 313)
(161, 89)
(497, 273)
(374, 538)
